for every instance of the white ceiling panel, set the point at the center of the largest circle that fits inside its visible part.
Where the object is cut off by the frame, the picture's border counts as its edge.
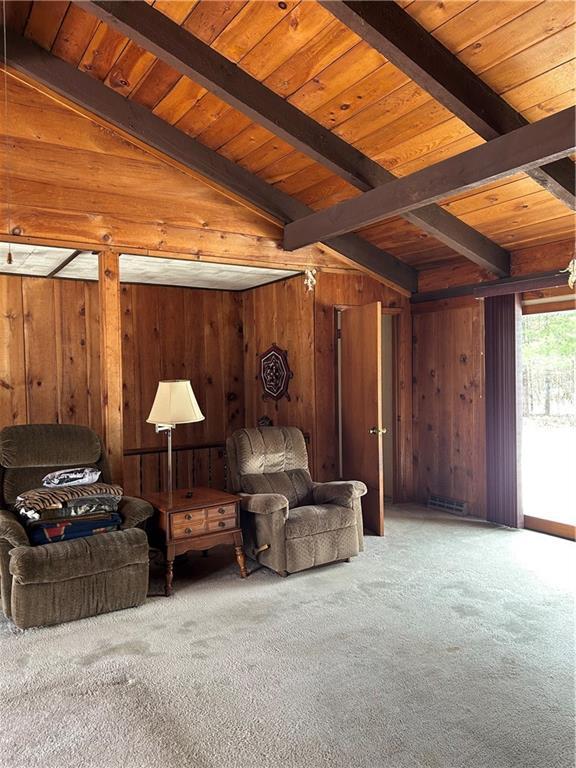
(42, 260)
(179, 272)
(83, 267)
(196, 274)
(31, 259)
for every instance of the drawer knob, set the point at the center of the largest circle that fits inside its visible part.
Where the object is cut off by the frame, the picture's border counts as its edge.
(222, 524)
(188, 517)
(188, 530)
(221, 510)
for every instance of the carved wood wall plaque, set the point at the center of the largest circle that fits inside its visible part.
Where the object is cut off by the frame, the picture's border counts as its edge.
(275, 373)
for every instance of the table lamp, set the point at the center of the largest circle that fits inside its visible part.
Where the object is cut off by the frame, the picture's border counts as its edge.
(175, 403)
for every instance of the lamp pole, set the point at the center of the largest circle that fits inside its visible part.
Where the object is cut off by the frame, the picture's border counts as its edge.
(168, 428)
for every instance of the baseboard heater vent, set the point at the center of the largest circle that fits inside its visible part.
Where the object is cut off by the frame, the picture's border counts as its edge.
(446, 504)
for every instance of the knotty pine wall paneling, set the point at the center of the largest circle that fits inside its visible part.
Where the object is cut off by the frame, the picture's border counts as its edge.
(13, 389)
(448, 400)
(50, 373)
(302, 322)
(173, 333)
(130, 201)
(281, 313)
(50, 352)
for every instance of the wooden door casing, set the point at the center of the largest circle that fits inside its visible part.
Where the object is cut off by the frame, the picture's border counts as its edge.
(361, 411)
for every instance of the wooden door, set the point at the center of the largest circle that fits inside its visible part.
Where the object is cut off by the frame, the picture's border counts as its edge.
(361, 407)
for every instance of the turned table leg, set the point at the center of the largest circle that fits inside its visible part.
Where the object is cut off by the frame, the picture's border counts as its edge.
(241, 560)
(169, 577)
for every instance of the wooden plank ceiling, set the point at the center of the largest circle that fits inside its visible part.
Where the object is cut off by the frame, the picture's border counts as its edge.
(523, 49)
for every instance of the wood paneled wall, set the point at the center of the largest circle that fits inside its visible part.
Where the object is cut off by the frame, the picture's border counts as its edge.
(75, 182)
(281, 313)
(304, 324)
(181, 333)
(449, 407)
(449, 394)
(49, 352)
(49, 365)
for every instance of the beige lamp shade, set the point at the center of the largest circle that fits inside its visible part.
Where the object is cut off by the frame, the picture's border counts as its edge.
(175, 403)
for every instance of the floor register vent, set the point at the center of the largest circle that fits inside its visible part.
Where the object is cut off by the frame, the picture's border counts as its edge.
(454, 506)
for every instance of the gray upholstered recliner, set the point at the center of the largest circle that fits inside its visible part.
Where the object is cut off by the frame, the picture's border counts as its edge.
(289, 522)
(67, 580)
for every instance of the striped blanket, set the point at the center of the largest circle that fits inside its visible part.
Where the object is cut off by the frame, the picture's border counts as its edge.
(32, 503)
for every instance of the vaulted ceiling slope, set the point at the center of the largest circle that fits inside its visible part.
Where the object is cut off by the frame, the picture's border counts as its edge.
(523, 50)
(111, 193)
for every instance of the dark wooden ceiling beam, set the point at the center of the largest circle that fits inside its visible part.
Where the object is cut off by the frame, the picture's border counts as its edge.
(547, 140)
(518, 284)
(194, 59)
(393, 32)
(33, 62)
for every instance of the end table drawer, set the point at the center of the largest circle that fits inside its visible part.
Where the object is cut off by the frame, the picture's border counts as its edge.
(183, 527)
(223, 524)
(200, 521)
(218, 513)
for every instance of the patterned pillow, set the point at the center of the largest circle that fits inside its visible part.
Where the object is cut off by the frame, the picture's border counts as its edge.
(76, 476)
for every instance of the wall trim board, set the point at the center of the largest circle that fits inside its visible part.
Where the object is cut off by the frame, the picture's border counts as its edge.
(440, 305)
(538, 308)
(319, 259)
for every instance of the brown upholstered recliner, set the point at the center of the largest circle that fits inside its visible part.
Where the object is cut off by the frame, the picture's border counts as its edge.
(289, 522)
(54, 583)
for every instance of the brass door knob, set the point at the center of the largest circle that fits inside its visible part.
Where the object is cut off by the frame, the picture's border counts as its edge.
(222, 524)
(377, 431)
(188, 517)
(221, 510)
(188, 530)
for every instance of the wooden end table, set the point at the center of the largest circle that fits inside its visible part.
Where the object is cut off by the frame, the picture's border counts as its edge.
(196, 519)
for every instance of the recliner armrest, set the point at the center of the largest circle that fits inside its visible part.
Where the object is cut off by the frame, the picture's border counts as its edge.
(264, 503)
(11, 530)
(134, 511)
(343, 493)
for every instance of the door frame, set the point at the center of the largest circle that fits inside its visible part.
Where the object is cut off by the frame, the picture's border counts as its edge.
(395, 312)
(562, 303)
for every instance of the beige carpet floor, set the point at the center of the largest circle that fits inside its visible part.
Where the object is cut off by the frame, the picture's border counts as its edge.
(448, 644)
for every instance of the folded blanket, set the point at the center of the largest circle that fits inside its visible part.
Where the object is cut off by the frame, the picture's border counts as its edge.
(76, 476)
(47, 532)
(88, 505)
(31, 503)
(92, 504)
(61, 516)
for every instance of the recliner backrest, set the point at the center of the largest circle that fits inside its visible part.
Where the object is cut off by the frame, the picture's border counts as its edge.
(28, 452)
(270, 460)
